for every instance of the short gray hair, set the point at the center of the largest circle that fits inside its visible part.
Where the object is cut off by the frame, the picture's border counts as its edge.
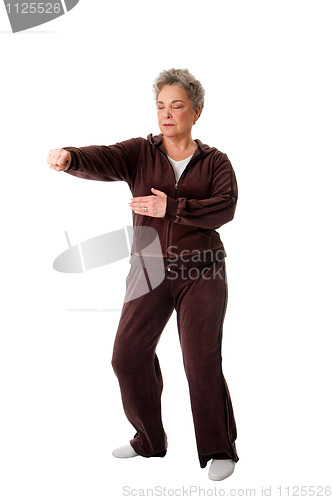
(185, 79)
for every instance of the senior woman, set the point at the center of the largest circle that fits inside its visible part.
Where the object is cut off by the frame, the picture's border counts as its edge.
(183, 190)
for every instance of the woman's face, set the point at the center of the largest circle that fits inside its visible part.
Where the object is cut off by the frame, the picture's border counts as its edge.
(174, 112)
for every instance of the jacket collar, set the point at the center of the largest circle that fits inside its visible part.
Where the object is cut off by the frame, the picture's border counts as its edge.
(202, 149)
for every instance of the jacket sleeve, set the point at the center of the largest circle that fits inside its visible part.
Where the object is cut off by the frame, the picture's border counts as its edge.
(117, 162)
(213, 212)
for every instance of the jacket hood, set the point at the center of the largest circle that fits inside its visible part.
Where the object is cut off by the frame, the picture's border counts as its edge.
(202, 150)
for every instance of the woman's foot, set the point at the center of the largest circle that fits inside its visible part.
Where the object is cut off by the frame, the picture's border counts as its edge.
(221, 469)
(125, 451)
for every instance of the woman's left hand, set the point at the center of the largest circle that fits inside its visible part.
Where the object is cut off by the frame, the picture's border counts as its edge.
(156, 204)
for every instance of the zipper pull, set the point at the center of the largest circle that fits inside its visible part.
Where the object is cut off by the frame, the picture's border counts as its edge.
(176, 185)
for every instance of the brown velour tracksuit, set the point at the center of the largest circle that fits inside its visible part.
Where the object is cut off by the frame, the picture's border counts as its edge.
(194, 284)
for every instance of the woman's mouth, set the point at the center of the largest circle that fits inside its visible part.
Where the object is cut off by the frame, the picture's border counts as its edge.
(168, 125)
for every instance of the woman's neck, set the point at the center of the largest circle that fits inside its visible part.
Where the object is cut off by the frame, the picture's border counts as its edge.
(179, 149)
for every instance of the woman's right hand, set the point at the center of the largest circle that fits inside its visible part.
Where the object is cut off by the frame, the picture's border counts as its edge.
(59, 159)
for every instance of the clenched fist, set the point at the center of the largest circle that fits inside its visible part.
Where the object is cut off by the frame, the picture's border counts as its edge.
(59, 159)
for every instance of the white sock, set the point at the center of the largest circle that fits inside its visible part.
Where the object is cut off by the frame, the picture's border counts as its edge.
(221, 469)
(125, 451)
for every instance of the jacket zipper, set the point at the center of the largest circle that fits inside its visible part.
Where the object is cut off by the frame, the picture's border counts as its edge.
(169, 225)
(176, 188)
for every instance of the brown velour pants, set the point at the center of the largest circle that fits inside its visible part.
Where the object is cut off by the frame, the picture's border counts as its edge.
(199, 297)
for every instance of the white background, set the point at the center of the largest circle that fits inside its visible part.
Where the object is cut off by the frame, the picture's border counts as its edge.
(86, 78)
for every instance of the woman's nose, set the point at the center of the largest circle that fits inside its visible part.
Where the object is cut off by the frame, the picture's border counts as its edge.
(167, 113)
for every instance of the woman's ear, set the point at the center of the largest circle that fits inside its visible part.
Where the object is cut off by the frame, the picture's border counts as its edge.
(197, 114)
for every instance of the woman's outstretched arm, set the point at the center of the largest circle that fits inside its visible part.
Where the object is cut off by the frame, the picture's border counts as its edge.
(117, 162)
